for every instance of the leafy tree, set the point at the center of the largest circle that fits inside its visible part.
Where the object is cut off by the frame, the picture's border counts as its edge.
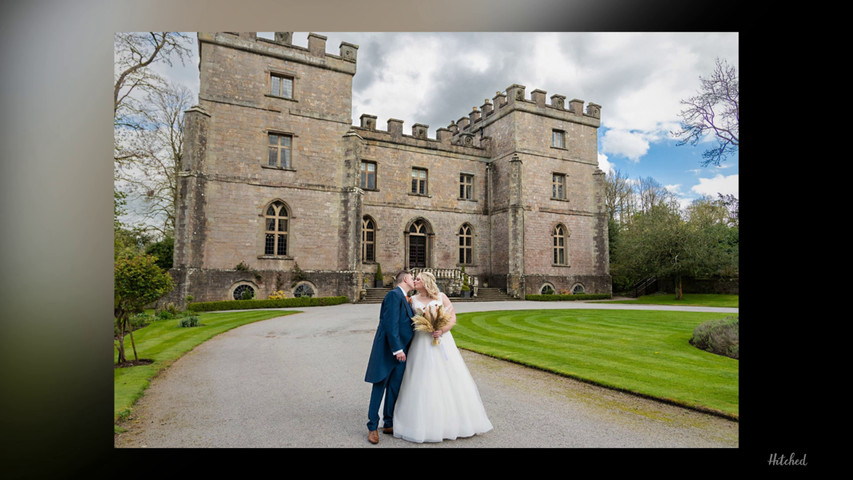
(713, 112)
(163, 251)
(660, 242)
(138, 282)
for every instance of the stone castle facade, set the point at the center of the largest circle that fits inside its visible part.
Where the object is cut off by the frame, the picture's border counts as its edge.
(278, 190)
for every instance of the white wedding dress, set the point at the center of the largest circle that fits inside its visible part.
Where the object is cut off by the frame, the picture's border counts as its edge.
(438, 398)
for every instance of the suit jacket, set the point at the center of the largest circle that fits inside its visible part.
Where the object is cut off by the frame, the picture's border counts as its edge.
(394, 333)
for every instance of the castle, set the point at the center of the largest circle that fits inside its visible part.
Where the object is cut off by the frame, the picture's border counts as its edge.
(278, 190)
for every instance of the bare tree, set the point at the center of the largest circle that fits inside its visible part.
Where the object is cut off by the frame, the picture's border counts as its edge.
(713, 113)
(148, 114)
(650, 193)
(618, 196)
(135, 53)
(151, 179)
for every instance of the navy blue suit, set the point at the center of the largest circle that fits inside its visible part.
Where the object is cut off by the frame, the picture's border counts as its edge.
(384, 371)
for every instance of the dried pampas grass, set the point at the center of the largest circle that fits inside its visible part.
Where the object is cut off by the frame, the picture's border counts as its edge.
(430, 320)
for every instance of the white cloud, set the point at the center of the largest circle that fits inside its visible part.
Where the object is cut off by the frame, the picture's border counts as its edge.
(604, 164)
(631, 145)
(726, 185)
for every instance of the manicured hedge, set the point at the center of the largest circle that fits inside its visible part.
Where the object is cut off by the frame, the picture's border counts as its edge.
(280, 303)
(561, 298)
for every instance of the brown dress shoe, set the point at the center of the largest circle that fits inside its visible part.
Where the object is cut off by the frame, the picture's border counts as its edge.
(373, 437)
(388, 430)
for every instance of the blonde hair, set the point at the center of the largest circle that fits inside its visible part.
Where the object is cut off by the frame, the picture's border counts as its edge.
(429, 285)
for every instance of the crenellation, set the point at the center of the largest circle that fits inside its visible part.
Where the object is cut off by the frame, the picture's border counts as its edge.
(538, 97)
(420, 130)
(395, 128)
(499, 99)
(317, 44)
(443, 135)
(486, 108)
(515, 93)
(349, 51)
(558, 102)
(368, 122)
(593, 110)
(284, 38)
(576, 106)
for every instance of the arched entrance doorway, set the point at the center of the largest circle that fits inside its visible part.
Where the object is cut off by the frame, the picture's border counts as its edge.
(418, 242)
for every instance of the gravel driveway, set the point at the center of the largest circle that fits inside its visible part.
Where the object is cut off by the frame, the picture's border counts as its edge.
(298, 381)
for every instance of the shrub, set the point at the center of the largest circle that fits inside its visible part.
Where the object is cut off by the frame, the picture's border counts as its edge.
(140, 320)
(277, 295)
(191, 321)
(559, 298)
(281, 303)
(718, 336)
(168, 312)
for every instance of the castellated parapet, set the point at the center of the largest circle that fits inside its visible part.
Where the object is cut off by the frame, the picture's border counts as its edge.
(276, 177)
(462, 131)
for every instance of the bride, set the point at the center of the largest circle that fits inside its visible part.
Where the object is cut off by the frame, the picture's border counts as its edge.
(438, 398)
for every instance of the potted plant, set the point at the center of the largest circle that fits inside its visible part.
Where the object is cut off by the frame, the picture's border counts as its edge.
(466, 289)
(377, 278)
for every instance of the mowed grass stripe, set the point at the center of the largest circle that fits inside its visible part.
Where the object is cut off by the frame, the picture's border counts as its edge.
(637, 351)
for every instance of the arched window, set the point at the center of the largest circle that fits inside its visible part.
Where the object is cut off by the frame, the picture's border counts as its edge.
(577, 289)
(304, 289)
(559, 237)
(275, 229)
(417, 239)
(368, 240)
(243, 292)
(466, 251)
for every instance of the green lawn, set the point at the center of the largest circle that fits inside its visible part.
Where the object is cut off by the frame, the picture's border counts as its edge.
(691, 299)
(164, 342)
(644, 352)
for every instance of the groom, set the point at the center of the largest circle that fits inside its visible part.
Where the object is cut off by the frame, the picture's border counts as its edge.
(388, 356)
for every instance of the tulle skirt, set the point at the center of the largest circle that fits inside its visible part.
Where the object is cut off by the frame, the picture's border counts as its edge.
(438, 398)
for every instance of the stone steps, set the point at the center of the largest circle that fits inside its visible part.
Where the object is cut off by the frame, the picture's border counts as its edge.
(375, 295)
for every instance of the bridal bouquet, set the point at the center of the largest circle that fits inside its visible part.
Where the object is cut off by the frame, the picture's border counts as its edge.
(430, 320)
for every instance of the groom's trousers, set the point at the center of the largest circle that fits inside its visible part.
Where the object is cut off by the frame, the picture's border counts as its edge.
(389, 388)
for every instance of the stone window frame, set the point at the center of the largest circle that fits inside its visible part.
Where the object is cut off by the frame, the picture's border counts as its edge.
(559, 190)
(264, 231)
(465, 252)
(272, 72)
(415, 187)
(365, 221)
(361, 175)
(560, 246)
(280, 133)
(559, 139)
(463, 186)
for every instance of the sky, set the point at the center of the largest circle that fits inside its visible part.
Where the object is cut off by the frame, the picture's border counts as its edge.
(638, 79)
